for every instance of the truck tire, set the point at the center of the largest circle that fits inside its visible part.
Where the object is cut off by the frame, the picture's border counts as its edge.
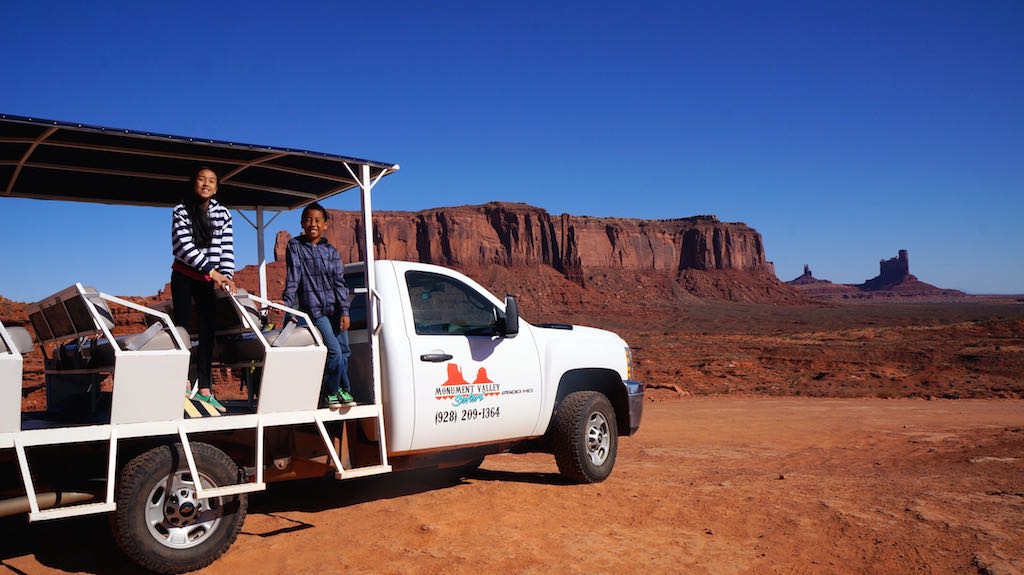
(159, 522)
(584, 437)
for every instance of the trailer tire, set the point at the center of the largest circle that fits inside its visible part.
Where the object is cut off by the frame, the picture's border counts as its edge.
(584, 437)
(160, 523)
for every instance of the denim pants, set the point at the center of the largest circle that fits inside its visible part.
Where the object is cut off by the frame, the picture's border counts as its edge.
(336, 340)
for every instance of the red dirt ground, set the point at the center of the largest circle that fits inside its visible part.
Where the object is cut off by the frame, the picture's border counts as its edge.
(747, 479)
(708, 485)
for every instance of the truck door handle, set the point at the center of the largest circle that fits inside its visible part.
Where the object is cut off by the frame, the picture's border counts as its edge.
(435, 357)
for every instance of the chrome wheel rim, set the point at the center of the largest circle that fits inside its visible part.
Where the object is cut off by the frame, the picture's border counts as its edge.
(176, 517)
(598, 439)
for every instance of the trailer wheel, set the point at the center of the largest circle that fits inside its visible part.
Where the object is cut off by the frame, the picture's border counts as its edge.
(584, 437)
(161, 524)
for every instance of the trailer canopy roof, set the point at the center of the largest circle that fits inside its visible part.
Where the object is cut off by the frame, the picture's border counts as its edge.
(51, 160)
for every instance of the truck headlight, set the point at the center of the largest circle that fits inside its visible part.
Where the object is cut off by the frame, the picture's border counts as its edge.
(629, 363)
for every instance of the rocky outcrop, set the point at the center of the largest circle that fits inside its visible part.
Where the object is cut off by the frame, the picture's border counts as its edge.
(807, 278)
(894, 281)
(514, 235)
(891, 272)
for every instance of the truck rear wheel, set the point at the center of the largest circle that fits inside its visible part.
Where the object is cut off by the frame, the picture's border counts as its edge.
(584, 437)
(161, 524)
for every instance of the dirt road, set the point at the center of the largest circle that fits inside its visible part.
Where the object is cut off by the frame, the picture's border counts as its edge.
(711, 485)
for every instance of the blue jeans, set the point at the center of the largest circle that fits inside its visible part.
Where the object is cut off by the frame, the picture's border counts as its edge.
(338, 351)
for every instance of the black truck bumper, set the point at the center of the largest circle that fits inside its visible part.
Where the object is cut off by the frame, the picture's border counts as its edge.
(635, 396)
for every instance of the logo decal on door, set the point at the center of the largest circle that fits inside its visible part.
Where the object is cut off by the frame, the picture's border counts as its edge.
(460, 392)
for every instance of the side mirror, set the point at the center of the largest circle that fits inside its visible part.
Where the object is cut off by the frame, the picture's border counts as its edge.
(511, 321)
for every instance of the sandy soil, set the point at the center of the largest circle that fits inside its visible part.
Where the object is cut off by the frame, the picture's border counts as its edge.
(708, 485)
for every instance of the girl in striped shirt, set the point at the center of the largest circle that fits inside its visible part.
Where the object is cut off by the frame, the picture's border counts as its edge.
(204, 260)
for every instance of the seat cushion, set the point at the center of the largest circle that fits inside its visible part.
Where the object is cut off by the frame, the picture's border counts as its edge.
(225, 314)
(100, 354)
(247, 347)
(22, 340)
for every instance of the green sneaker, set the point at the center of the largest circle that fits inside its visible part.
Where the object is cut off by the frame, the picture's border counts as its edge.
(332, 400)
(212, 401)
(346, 398)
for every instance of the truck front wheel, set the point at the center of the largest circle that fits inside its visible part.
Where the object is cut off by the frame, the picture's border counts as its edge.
(584, 437)
(161, 524)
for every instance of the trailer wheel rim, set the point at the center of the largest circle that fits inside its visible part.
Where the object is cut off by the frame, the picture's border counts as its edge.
(176, 517)
(598, 440)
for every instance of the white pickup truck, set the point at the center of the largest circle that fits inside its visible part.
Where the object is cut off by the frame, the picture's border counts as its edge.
(444, 372)
(461, 369)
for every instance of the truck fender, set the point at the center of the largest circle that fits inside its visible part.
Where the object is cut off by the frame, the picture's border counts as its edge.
(602, 380)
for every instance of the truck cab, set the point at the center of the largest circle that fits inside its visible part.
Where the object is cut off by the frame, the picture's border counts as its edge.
(463, 374)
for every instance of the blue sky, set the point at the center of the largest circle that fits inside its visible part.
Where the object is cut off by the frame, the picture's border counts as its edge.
(842, 131)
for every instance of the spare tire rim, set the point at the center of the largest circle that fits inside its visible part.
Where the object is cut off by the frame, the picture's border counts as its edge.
(176, 517)
(598, 438)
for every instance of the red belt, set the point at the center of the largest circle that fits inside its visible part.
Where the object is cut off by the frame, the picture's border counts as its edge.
(189, 272)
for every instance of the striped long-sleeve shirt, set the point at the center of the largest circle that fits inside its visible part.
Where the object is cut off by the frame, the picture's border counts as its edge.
(220, 255)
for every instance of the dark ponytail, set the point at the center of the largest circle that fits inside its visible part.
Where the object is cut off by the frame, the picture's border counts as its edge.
(201, 228)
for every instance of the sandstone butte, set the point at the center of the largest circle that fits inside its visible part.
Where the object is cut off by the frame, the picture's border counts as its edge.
(494, 243)
(514, 235)
(894, 280)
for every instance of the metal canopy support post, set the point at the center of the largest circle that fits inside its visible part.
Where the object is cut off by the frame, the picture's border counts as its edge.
(261, 252)
(373, 307)
(260, 226)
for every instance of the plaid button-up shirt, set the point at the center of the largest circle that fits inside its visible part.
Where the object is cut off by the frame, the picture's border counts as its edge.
(315, 279)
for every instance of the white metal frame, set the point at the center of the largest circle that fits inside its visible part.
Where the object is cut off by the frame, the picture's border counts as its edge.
(147, 388)
(134, 366)
(10, 384)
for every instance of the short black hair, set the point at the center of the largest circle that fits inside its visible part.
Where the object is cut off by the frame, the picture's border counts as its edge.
(314, 206)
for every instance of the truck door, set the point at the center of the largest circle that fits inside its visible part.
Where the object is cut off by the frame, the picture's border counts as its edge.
(471, 384)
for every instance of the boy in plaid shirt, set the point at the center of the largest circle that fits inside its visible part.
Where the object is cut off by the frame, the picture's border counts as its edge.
(315, 284)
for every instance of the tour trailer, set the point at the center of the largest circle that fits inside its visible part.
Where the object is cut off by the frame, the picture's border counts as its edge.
(443, 372)
(44, 159)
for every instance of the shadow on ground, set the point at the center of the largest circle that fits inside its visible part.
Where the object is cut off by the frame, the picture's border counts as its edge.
(85, 544)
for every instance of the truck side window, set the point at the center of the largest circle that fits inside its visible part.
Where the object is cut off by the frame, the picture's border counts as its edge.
(445, 306)
(357, 301)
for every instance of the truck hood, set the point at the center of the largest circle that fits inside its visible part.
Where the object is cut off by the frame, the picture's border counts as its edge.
(582, 347)
(593, 333)
(577, 333)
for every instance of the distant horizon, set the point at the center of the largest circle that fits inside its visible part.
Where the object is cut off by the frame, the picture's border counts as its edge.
(840, 131)
(270, 238)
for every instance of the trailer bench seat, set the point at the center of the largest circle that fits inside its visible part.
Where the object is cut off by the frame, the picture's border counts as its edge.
(98, 354)
(236, 343)
(246, 348)
(148, 369)
(80, 343)
(226, 319)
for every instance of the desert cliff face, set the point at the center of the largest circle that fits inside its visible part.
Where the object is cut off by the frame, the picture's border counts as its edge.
(515, 235)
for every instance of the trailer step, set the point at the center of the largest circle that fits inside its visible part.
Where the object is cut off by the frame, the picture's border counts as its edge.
(71, 511)
(363, 472)
(232, 490)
